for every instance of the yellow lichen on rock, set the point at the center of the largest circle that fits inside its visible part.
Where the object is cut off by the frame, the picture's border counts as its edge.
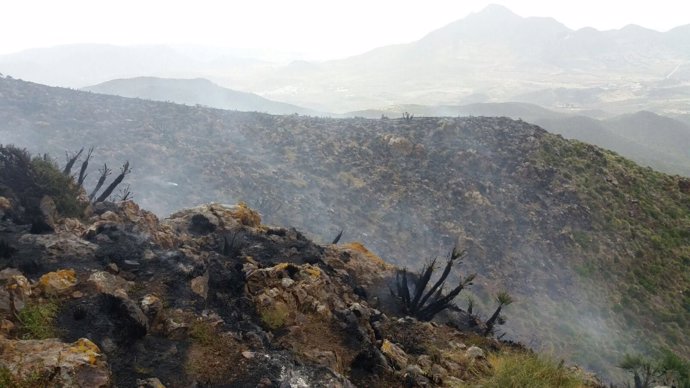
(245, 215)
(19, 291)
(79, 364)
(87, 349)
(281, 266)
(313, 271)
(58, 282)
(359, 248)
(397, 356)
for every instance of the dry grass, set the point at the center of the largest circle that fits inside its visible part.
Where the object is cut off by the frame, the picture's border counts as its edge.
(213, 357)
(518, 370)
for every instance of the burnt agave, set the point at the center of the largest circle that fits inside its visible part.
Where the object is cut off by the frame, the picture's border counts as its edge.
(424, 304)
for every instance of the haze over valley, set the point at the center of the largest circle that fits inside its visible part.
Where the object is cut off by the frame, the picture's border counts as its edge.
(556, 158)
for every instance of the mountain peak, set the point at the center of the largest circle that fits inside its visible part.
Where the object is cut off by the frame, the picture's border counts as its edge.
(496, 11)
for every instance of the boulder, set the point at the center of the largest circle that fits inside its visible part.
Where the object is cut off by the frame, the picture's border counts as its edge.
(108, 283)
(57, 364)
(57, 283)
(16, 292)
(49, 211)
(199, 285)
(151, 306)
(474, 352)
(397, 356)
(57, 246)
(325, 358)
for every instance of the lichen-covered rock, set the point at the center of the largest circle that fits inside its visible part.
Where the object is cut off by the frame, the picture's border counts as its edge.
(108, 283)
(60, 245)
(57, 283)
(199, 285)
(397, 356)
(152, 306)
(15, 293)
(77, 365)
(211, 217)
(128, 215)
(49, 211)
(474, 352)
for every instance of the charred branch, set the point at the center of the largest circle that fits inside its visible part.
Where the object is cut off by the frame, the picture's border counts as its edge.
(84, 166)
(70, 161)
(105, 171)
(337, 238)
(109, 190)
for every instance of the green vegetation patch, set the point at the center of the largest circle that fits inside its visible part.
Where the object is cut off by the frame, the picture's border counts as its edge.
(275, 316)
(28, 180)
(637, 241)
(58, 186)
(37, 320)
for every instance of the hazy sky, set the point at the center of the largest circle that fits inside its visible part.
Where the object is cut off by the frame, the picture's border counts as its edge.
(319, 28)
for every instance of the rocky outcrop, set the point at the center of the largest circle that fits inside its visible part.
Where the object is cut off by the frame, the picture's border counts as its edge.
(210, 297)
(52, 363)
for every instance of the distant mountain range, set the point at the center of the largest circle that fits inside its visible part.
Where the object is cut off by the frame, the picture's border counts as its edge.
(490, 56)
(192, 92)
(495, 56)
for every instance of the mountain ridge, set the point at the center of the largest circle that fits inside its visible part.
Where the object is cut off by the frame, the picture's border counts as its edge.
(650, 139)
(616, 70)
(594, 245)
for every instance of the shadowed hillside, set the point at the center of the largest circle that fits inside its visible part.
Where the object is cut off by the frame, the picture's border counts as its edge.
(594, 248)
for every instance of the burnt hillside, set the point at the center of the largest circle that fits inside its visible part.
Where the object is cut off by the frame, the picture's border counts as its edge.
(594, 248)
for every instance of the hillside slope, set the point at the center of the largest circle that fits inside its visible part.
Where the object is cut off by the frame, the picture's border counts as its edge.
(192, 92)
(647, 138)
(114, 297)
(595, 248)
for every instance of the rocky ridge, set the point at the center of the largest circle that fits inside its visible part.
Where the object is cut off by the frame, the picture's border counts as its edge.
(211, 297)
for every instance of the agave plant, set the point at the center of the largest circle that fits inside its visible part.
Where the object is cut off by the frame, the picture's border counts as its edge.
(425, 304)
(503, 299)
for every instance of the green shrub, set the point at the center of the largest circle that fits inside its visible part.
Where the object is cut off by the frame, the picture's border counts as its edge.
(28, 180)
(274, 317)
(58, 186)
